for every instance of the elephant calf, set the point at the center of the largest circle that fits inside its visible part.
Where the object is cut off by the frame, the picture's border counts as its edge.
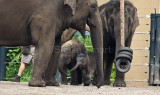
(86, 63)
(81, 64)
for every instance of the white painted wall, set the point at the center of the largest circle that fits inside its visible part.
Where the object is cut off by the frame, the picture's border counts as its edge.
(159, 6)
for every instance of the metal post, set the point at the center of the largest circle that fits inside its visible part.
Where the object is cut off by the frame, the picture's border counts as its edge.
(157, 53)
(152, 50)
(122, 22)
(2, 63)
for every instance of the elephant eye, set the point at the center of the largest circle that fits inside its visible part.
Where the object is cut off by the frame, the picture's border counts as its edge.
(93, 6)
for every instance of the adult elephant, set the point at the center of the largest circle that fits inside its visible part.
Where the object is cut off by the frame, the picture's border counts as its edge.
(41, 23)
(110, 14)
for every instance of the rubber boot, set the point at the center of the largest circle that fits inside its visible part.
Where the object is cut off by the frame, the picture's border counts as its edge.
(17, 79)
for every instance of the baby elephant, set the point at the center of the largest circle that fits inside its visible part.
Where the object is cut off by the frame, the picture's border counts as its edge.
(87, 64)
(75, 58)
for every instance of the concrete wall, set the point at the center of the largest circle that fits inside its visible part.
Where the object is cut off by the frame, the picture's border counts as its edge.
(139, 72)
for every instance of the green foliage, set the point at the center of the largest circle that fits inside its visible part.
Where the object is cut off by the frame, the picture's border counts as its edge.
(113, 74)
(87, 42)
(27, 73)
(13, 63)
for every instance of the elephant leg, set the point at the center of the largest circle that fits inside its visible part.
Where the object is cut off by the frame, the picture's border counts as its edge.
(75, 77)
(79, 76)
(119, 81)
(108, 58)
(42, 54)
(64, 78)
(53, 65)
(40, 64)
(86, 76)
(95, 79)
(108, 68)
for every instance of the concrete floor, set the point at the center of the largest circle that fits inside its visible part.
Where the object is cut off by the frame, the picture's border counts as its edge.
(11, 88)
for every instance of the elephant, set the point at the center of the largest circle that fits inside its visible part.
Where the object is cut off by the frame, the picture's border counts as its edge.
(67, 60)
(81, 63)
(41, 23)
(86, 64)
(110, 15)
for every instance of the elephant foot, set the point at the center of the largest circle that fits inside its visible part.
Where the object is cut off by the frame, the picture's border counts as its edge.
(37, 83)
(100, 83)
(94, 82)
(73, 83)
(107, 83)
(52, 83)
(64, 83)
(119, 84)
(87, 83)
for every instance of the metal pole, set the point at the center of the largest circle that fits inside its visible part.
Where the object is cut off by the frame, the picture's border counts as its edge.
(2, 63)
(157, 52)
(152, 51)
(122, 22)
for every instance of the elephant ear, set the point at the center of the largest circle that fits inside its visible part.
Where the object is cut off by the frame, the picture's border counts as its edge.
(135, 23)
(72, 4)
(104, 19)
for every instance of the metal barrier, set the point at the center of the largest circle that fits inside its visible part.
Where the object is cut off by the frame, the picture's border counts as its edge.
(154, 64)
(3, 63)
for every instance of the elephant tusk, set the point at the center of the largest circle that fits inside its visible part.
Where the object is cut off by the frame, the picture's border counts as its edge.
(87, 28)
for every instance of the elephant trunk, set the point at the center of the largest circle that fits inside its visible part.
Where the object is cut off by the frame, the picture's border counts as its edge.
(60, 68)
(95, 25)
(62, 72)
(76, 66)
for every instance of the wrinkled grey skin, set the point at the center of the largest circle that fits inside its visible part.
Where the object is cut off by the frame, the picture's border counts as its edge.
(81, 64)
(41, 23)
(110, 14)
